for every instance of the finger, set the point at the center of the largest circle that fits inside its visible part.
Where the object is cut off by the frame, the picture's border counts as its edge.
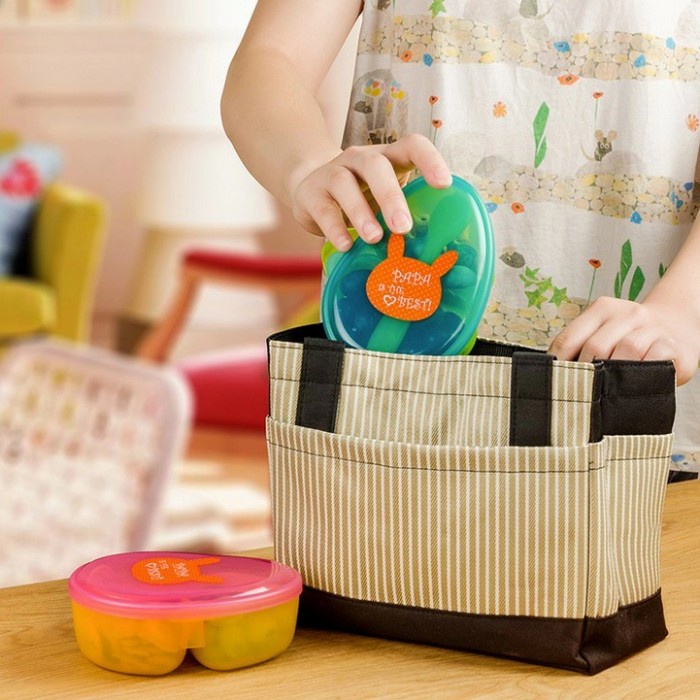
(661, 349)
(666, 349)
(635, 345)
(569, 343)
(418, 151)
(601, 345)
(345, 190)
(377, 171)
(329, 218)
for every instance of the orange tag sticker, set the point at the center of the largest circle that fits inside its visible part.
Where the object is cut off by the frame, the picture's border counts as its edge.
(165, 571)
(406, 288)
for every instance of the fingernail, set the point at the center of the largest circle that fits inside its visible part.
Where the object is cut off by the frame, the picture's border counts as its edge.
(402, 222)
(442, 176)
(373, 232)
(344, 244)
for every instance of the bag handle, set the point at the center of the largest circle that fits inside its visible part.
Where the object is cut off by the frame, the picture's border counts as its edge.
(531, 399)
(319, 384)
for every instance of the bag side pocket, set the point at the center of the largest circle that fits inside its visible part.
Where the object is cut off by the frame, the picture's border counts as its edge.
(491, 531)
(625, 509)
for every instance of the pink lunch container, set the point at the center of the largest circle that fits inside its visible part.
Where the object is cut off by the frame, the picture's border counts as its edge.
(140, 612)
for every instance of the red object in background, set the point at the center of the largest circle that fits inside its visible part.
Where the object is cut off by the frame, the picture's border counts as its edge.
(229, 389)
(268, 268)
(22, 180)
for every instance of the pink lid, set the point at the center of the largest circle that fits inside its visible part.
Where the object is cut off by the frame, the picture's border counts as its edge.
(181, 585)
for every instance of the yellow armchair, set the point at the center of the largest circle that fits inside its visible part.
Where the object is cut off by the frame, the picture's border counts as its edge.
(65, 247)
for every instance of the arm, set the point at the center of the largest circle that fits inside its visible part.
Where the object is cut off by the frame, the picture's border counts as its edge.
(271, 115)
(666, 325)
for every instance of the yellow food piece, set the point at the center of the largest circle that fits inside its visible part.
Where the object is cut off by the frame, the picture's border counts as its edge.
(144, 647)
(247, 639)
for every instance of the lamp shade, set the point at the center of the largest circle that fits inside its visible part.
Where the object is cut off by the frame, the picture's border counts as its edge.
(224, 17)
(192, 177)
(197, 181)
(182, 83)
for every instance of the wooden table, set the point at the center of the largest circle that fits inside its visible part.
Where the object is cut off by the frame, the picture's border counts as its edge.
(39, 658)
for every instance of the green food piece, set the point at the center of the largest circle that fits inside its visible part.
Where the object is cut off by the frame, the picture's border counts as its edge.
(459, 277)
(447, 222)
(247, 639)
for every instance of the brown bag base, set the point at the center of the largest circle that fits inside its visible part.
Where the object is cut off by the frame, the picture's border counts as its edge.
(588, 646)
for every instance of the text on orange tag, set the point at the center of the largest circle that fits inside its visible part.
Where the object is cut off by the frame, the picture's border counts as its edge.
(406, 288)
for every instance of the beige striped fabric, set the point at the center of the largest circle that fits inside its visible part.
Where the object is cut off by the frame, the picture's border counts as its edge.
(626, 504)
(556, 532)
(430, 400)
(418, 500)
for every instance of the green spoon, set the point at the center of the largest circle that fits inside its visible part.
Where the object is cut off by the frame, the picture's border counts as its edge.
(447, 223)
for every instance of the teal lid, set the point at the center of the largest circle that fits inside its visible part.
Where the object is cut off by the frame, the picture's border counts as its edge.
(419, 293)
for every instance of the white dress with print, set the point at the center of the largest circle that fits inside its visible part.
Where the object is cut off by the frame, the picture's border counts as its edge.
(578, 122)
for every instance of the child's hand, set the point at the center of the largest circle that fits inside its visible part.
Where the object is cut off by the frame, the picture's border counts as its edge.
(362, 177)
(625, 330)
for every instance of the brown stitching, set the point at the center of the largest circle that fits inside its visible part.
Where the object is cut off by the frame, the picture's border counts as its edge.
(427, 469)
(427, 393)
(637, 459)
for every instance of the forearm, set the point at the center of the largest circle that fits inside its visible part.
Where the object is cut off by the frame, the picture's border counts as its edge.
(680, 285)
(273, 120)
(269, 105)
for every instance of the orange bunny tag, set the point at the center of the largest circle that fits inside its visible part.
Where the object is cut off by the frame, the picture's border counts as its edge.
(163, 571)
(406, 288)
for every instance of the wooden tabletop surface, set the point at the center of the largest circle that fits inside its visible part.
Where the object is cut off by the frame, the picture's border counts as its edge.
(39, 657)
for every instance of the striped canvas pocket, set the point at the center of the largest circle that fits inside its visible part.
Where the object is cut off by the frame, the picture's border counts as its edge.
(543, 532)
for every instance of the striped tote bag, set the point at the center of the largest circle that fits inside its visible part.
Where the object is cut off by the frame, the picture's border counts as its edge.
(502, 502)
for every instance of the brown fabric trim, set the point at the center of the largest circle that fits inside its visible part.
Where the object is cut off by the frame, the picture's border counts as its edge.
(587, 646)
(608, 640)
(638, 398)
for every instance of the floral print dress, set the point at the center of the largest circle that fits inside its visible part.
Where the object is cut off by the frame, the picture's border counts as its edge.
(579, 124)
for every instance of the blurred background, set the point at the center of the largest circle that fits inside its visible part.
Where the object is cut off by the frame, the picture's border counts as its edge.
(111, 147)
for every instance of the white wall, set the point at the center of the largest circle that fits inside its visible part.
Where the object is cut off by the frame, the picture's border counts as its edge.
(75, 87)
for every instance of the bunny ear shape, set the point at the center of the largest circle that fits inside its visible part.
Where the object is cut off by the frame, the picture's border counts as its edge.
(203, 561)
(194, 566)
(445, 263)
(396, 246)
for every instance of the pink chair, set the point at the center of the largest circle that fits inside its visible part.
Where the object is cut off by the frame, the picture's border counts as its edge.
(231, 388)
